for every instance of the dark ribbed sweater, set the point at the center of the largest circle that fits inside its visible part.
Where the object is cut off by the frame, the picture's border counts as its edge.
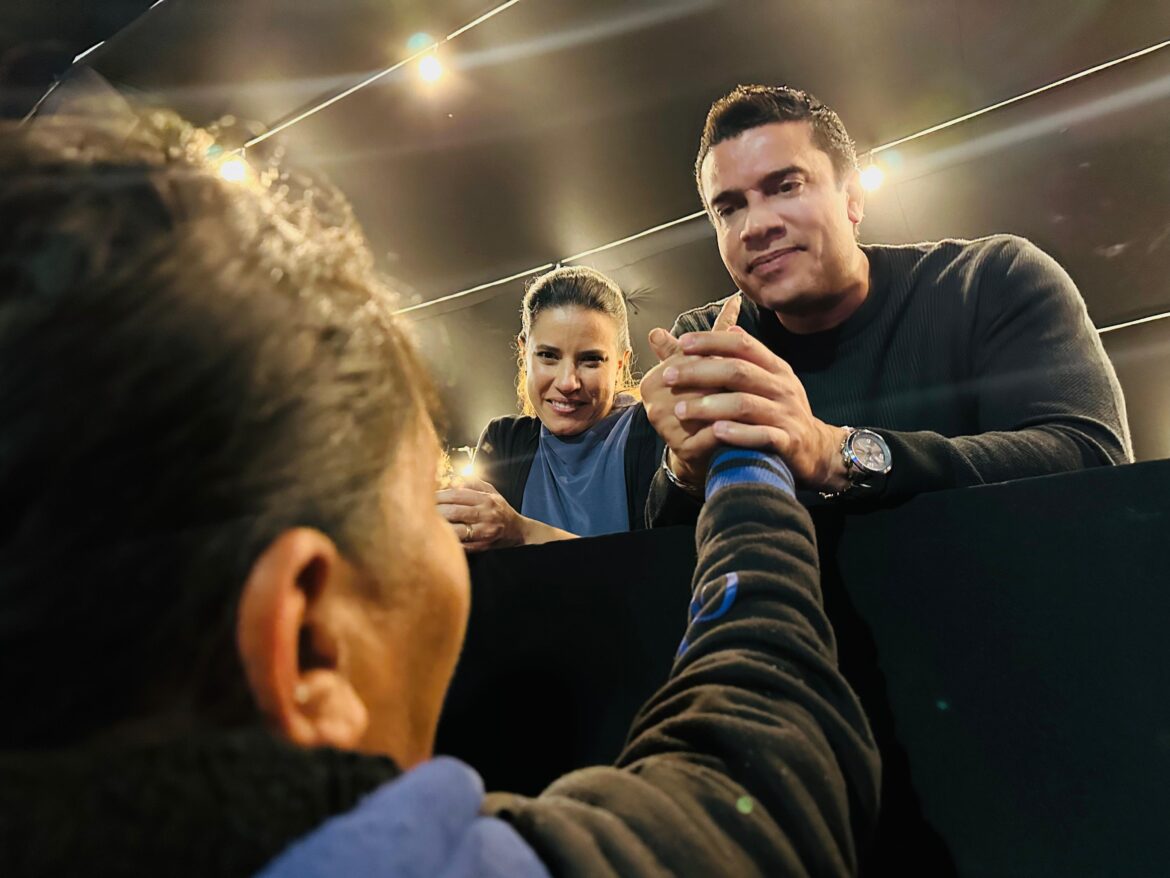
(975, 360)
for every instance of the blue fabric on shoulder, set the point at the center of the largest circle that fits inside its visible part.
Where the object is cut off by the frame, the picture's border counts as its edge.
(738, 466)
(426, 823)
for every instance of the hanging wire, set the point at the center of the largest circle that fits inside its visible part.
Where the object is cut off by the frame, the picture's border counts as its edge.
(370, 80)
(433, 47)
(1133, 56)
(414, 309)
(52, 88)
(1149, 319)
(540, 269)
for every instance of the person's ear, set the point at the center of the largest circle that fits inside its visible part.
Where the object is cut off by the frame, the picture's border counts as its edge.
(290, 635)
(855, 197)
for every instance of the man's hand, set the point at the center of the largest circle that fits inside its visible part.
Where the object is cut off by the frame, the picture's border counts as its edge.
(747, 396)
(690, 442)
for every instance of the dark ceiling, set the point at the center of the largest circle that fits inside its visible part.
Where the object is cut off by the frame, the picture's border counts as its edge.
(564, 124)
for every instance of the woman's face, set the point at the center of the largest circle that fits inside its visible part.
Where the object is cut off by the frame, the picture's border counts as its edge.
(573, 362)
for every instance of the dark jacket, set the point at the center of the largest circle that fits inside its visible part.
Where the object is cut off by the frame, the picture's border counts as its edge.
(754, 758)
(227, 803)
(508, 445)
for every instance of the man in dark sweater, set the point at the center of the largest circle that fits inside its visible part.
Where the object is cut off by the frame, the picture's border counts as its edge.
(876, 372)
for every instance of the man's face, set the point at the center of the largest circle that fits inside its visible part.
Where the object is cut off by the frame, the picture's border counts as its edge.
(785, 226)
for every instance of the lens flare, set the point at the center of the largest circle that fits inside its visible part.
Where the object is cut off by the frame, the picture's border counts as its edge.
(419, 41)
(234, 170)
(430, 69)
(871, 178)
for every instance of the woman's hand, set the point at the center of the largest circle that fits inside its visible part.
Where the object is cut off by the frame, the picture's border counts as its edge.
(481, 517)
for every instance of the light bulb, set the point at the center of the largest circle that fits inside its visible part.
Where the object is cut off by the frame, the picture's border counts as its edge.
(871, 178)
(234, 170)
(430, 69)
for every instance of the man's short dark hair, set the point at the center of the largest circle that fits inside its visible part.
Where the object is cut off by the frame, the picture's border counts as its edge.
(188, 367)
(750, 106)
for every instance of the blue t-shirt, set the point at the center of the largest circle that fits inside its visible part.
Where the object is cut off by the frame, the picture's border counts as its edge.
(578, 483)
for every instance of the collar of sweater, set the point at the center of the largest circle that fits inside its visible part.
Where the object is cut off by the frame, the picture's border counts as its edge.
(214, 804)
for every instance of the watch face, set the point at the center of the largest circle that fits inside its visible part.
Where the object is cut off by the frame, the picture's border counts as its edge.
(870, 452)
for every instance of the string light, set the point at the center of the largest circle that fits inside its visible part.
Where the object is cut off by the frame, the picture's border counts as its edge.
(430, 68)
(875, 172)
(871, 178)
(467, 470)
(370, 80)
(421, 45)
(233, 169)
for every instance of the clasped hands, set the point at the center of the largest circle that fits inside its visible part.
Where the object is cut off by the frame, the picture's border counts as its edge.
(724, 387)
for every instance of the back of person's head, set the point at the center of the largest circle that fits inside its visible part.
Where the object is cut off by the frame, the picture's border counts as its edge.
(190, 368)
(750, 106)
(574, 287)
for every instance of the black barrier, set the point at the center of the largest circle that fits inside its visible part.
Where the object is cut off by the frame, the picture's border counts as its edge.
(1011, 644)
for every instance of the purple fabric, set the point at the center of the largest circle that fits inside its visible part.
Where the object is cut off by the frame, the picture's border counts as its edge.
(426, 824)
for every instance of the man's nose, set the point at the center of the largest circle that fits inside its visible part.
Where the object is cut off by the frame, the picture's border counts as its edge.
(761, 223)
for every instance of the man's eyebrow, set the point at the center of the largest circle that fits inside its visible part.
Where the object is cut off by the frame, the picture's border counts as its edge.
(727, 195)
(771, 177)
(777, 176)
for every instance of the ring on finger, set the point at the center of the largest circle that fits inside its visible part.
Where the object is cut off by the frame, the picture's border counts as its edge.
(470, 531)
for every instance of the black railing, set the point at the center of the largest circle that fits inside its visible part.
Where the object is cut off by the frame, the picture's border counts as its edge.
(1011, 644)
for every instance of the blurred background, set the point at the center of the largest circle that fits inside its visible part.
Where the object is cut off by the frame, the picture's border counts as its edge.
(555, 127)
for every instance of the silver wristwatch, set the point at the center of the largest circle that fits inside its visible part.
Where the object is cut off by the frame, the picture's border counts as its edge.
(866, 457)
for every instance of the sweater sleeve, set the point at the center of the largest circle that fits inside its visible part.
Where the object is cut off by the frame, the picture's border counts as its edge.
(1047, 397)
(488, 454)
(755, 757)
(503, 457)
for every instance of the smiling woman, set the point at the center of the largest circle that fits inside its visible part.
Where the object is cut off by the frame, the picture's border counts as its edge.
(579, 460)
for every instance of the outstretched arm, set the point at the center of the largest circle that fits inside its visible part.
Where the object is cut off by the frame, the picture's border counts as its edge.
(755, 757)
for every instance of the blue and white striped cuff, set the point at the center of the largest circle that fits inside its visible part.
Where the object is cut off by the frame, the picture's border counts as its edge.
(739, 466)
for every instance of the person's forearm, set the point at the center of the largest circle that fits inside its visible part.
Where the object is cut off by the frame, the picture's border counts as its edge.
(925, 461)
(756, 689)
(755, 757)
(535, 532)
